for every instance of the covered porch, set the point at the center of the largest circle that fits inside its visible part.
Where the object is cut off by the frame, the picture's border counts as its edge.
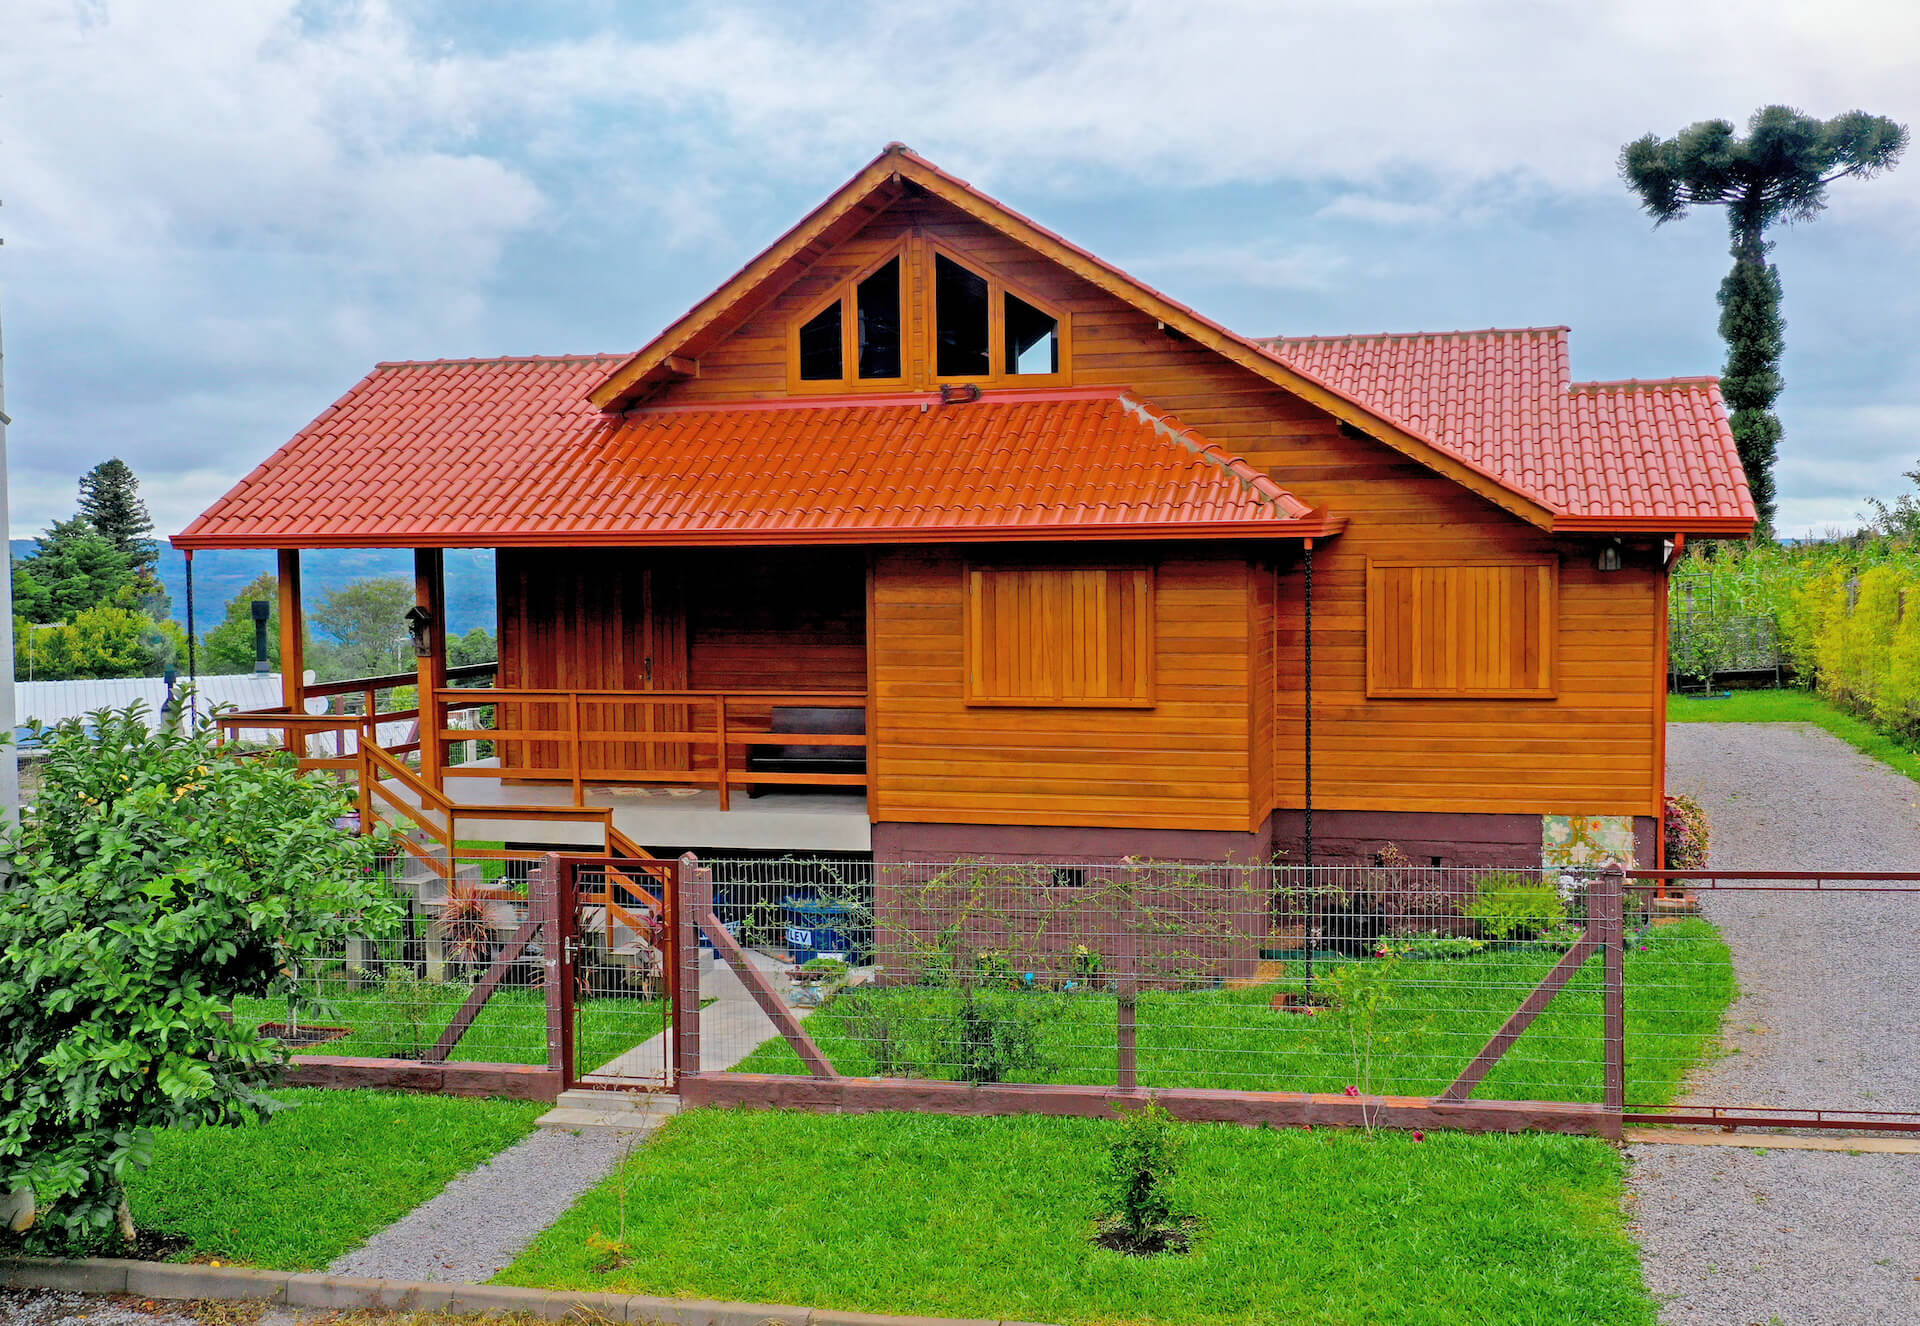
(710, 698)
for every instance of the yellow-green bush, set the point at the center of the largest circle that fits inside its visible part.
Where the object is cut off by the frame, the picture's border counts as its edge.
(1847, 614)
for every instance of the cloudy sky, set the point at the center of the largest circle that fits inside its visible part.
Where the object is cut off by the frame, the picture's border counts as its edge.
(218, 214)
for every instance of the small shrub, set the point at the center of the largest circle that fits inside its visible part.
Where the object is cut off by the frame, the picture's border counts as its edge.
(991, 1040)
(1510, 905)
(1143, 1161)
(875, 1025)
(415, 1007)
(1360, 994)
(1689, 836)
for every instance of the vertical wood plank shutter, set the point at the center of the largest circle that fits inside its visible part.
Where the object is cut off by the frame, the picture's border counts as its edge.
(1465, 629)
(1060, 636)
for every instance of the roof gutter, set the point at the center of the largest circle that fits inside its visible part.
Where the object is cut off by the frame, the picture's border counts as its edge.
(1313, 527)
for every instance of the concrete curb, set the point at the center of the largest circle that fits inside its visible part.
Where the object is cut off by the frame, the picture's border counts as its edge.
(171, 1280)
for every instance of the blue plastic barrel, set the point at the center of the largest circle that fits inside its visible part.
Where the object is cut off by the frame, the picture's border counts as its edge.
(817, 929)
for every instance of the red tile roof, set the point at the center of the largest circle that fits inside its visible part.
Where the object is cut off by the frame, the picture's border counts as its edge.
(509, 451)
(1618, 456)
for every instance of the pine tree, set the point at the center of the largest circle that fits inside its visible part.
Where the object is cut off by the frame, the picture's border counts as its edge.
(1779, 172)
(73, 567)
(110, 501)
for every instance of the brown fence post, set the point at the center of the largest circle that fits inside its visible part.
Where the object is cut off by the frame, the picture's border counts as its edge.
(543, 905)
(693, 897)
(1127, 988)
(1607, 901)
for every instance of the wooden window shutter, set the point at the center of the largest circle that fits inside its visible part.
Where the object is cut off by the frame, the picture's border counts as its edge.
(1070, 636)
(1462, 629)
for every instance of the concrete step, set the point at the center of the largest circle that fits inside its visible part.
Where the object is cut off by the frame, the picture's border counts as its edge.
(636, 1102)
(609, 1112)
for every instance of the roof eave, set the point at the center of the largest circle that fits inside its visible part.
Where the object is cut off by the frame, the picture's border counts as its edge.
(1314, 527)
(1730, 527)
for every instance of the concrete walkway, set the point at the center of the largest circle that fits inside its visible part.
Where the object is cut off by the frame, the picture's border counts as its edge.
(1825, 1018)
(480, 1222)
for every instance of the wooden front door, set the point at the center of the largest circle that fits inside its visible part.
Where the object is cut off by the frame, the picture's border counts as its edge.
(579, 620)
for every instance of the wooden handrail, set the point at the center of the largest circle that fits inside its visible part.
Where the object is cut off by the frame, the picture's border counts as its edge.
(494, 695)
(394, 680)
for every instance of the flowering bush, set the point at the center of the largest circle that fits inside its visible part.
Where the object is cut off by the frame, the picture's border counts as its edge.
(1688, 834)
(157, 878)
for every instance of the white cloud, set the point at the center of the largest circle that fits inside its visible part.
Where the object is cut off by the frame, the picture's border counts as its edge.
(225, 210)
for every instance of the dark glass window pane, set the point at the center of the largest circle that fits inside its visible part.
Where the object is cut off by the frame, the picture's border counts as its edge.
(960, 311)
(820, 347)
(877, 306)
(1033, 339)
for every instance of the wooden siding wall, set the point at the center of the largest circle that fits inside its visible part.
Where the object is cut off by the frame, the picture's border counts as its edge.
(1593, 747)
(1182, 764)
(791, 620)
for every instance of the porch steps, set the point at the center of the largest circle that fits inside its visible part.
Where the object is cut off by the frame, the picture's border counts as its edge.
(632, 1112)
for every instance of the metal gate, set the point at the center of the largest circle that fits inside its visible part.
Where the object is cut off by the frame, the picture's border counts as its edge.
(616, 975)
(1823, 1034)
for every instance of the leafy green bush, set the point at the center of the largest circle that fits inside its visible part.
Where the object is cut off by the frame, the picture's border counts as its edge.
(156, 879)
(1509, 905)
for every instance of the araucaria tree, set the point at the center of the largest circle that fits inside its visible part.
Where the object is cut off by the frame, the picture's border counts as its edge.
(1778, 172)
(110, 500)
(155, 880)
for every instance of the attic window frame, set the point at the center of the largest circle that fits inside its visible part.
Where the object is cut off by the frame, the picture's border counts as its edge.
(847, 294)
(998, 288)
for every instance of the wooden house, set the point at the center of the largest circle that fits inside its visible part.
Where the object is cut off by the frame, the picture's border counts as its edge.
(932, 535)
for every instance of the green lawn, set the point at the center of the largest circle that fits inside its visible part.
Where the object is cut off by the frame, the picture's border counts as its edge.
(1795, 706)
(511, 1029)
(990, 1218)
(317, 1178)
(1679, 982)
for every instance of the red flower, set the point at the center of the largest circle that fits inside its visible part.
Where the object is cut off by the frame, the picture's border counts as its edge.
(1419, 1136)
(1353, 1091)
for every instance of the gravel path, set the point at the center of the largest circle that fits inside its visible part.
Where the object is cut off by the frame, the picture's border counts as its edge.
(58, 1307)
(483, 1220)
(1826, 1017)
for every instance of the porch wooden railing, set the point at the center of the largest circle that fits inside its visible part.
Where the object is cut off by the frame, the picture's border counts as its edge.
(679, 738)
(303, 732)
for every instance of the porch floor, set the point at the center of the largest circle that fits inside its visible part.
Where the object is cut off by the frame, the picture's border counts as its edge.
(655, 816)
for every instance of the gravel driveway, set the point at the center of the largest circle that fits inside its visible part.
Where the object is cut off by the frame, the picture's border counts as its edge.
(1826, 1017)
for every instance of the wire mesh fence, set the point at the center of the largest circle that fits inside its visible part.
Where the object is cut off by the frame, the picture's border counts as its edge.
(1387, 980)
(461, 976)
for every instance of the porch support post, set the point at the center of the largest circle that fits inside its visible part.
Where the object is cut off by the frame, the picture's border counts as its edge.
(430, 592)
(293, 649)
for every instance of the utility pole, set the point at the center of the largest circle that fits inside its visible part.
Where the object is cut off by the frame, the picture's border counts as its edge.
(9, 760)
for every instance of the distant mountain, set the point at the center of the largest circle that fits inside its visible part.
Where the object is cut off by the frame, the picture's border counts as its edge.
(221, 573)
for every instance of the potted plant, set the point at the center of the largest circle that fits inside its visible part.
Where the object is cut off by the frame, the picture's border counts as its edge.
(816, 979)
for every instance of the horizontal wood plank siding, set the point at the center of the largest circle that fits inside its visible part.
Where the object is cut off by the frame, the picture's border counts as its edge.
(1184, 763)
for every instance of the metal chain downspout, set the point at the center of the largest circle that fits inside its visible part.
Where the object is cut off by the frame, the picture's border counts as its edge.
(193, 660)
(1307, 929)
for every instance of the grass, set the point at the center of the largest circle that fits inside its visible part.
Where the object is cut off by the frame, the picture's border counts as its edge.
(1442, 1011)
(316, 1179)
(511, 1029)
(1796, 706)
(991, 1218)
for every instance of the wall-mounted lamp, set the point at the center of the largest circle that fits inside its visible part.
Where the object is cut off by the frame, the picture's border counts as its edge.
(1609, 559)
(420, 628)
